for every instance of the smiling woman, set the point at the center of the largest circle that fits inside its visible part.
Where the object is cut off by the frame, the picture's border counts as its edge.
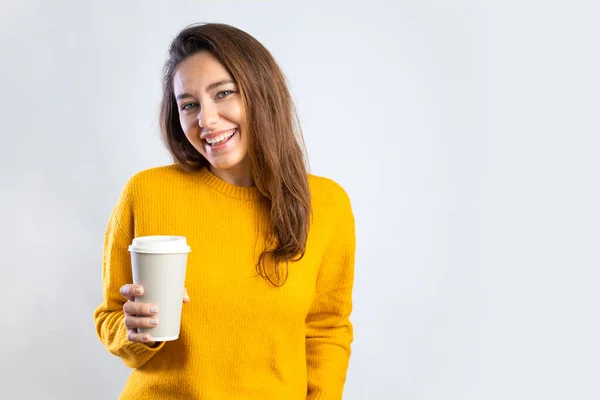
(210, 114)
(272, 264)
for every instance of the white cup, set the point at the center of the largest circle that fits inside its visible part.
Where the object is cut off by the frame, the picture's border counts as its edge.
(158, 264)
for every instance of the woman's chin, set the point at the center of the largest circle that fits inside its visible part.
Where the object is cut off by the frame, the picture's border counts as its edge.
(225, 163)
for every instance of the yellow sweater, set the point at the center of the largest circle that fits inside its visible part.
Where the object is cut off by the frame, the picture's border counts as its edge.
(241, 337)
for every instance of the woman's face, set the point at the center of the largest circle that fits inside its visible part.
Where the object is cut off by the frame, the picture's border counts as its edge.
(210, 112)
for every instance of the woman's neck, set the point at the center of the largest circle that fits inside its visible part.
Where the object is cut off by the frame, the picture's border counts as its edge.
(239, 175)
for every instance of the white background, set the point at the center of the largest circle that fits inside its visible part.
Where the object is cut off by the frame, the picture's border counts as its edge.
(465, 132)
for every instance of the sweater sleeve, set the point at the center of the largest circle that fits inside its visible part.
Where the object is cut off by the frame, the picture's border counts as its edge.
(116, 271)
(329, 331)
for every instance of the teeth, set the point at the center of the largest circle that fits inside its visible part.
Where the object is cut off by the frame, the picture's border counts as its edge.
(222, 137)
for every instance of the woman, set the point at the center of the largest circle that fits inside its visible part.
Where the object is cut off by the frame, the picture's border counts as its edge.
(271, 270)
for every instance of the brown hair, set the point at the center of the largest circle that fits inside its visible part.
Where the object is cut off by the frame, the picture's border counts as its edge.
(275, 144)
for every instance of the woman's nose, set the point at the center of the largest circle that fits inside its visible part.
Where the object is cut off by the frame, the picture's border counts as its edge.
(208, 117)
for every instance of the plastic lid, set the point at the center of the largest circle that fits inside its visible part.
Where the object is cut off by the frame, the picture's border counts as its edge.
(160, 245)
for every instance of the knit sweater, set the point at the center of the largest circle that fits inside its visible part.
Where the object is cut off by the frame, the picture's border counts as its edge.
(241, 337)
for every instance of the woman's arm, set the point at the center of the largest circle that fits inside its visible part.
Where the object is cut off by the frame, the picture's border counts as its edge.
(116, 271)
(329, 331)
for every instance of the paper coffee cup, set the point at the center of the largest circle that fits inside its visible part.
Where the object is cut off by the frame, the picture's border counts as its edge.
(158, 264)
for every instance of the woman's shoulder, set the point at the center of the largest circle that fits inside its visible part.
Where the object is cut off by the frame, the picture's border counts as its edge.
(160, 172)
(327, 194)
(155, 177)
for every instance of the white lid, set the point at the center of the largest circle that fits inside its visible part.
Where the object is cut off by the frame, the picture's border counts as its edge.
(160, 245)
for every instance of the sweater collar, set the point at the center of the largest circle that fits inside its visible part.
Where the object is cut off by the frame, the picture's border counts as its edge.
(228, 189)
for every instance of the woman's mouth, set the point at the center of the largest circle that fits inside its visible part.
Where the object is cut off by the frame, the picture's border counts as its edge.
(219, 142)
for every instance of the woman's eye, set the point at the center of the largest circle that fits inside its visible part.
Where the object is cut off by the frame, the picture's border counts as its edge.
(188, 106)
(224, 93)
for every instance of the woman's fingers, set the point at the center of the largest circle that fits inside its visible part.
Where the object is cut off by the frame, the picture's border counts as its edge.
(130, 290)
(133, 336)
(139, 309)
(140, 315)
(132, 322)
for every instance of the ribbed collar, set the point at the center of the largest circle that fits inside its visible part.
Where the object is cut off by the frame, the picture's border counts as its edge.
(228, 189)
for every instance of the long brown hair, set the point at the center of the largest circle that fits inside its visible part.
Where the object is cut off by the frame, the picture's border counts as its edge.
(275, 145)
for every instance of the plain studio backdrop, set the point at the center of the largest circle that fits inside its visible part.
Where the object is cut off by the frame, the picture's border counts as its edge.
(465, 132)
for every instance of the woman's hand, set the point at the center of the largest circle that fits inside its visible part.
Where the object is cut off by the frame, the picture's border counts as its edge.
(140, 315)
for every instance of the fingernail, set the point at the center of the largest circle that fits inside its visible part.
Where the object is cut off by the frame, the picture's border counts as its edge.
(153, 322)
(138, 290)
(153, 309)
(146, 338)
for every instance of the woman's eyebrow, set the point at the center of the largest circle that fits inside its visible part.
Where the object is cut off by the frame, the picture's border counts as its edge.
(183, 96)
(208, 88)
(219, 83)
